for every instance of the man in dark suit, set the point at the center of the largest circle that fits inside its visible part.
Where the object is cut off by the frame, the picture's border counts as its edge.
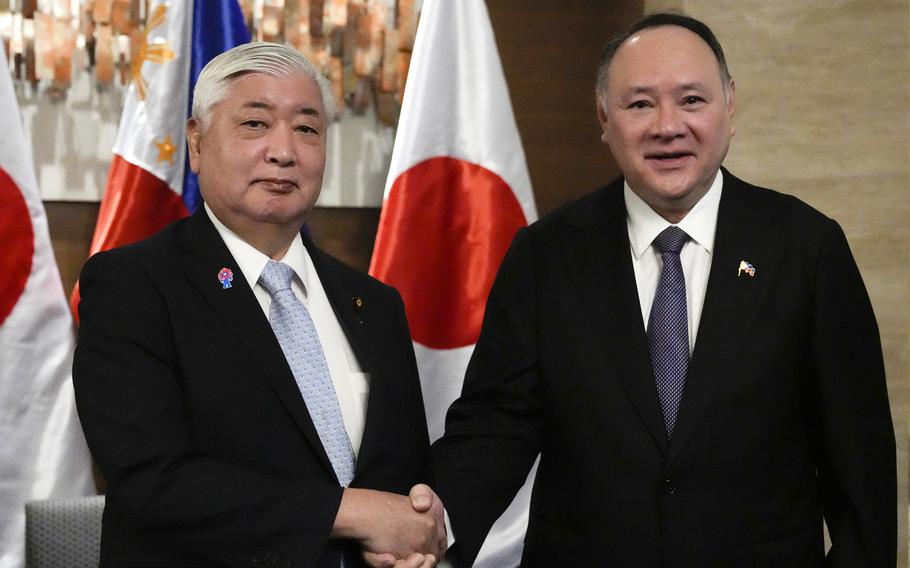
(695, 358)
(252, 401)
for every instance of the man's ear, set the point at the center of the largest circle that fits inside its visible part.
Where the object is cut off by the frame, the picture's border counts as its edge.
(731, 105)
(194, 142)
(599, 102)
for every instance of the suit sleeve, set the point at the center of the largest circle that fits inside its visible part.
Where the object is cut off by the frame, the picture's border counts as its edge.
(129, 394)
(857, 469)
(493, 430)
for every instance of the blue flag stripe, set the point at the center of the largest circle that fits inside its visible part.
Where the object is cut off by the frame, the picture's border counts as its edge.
(217, 27)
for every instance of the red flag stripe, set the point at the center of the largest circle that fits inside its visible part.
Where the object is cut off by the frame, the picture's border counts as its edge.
(136, 205)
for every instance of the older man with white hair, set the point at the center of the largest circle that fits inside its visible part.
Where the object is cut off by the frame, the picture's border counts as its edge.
(250, 400)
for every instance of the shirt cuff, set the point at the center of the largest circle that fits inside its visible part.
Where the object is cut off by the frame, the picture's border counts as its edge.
(449, 536)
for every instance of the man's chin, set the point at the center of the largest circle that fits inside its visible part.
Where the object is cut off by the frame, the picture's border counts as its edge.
(673, 197)
(275, 216)
(282, 211)
(283, 220)
(669, 188)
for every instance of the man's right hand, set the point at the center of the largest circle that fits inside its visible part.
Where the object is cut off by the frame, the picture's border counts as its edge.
(387, 526)
(425, 500)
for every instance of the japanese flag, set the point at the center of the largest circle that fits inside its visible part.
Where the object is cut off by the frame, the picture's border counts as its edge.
(458, 190)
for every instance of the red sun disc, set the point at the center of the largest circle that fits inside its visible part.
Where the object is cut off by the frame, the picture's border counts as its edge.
(449, 225)
(18, 244)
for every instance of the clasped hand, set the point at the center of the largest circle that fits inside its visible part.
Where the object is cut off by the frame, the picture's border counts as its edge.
(393, 530)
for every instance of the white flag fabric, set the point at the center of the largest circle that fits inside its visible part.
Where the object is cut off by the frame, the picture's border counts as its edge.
(145, 180)
(42, 450)
(458, 189)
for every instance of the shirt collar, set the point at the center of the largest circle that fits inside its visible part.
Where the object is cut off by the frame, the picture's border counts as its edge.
(252, 261)
(645, 224)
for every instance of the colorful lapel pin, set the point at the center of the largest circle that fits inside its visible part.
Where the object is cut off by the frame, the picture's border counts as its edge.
(358, 303)
(225, 276)
(745, 267)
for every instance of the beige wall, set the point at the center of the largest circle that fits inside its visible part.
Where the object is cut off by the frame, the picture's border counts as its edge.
(823, 113)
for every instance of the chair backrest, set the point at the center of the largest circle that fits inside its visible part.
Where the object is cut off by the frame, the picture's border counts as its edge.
(63, 533)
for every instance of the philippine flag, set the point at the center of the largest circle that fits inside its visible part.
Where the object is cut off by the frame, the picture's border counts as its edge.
(458, 189)
(149, 183)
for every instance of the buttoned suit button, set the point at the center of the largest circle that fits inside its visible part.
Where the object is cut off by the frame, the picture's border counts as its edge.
(669, 487)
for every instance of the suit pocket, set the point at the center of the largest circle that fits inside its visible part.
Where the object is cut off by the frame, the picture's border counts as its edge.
(802, 551)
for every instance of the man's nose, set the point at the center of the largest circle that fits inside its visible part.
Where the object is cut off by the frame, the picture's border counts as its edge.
(668, 122)
(280, 150)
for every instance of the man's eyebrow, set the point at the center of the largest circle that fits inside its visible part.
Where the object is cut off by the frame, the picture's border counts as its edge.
(643, 89)
(637, 90)
(693, 86)
(309, 111)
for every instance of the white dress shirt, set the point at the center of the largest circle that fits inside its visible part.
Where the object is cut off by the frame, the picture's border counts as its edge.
(644, 224)
(352, 385)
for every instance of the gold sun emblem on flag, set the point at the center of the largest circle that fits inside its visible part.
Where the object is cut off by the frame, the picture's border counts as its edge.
(157, 52)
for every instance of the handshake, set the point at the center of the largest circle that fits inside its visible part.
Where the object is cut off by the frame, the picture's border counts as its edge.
(394, 531)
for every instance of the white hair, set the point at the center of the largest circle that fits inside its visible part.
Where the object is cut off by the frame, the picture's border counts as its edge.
(275, 59)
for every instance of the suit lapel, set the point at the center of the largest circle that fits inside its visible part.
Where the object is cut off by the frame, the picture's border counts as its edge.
(205, 255)
(342, 292)
(599, 262)
(745, 232)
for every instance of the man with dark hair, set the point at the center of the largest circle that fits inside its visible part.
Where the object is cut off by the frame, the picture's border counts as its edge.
(695, 358)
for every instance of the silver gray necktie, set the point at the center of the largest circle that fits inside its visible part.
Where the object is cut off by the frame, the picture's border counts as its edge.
(299, 341)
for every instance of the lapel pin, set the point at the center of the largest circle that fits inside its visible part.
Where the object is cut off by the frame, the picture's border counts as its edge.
(358, 303)
(225, 276)
(745, 267)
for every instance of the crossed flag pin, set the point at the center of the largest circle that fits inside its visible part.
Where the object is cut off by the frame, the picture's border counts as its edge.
(746, 267)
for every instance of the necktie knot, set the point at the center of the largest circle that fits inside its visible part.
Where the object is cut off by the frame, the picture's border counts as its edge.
(671, 239)
(276, 276)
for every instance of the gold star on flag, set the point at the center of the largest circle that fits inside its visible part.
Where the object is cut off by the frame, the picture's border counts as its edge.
(166, 150)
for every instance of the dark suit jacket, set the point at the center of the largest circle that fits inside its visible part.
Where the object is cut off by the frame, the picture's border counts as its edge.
(784, 417)
(195, 419)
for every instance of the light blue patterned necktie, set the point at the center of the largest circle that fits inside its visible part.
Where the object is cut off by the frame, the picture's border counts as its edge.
(668, 326)
(299, 341)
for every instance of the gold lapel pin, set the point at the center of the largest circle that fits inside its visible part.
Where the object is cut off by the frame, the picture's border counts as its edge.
(745, 267)
(358, 303)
